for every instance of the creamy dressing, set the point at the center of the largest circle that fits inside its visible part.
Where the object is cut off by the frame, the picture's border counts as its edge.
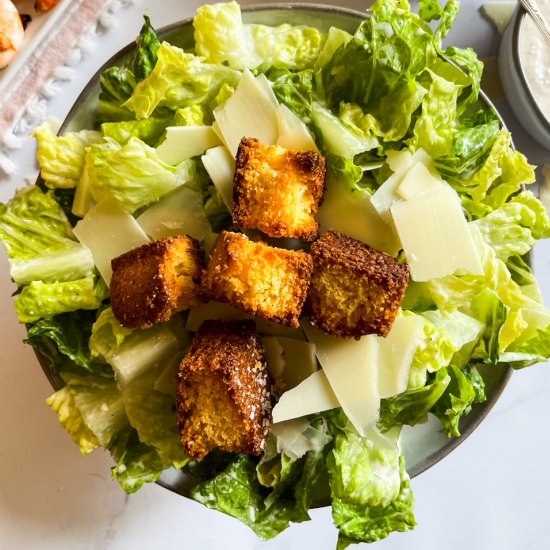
(534, 54)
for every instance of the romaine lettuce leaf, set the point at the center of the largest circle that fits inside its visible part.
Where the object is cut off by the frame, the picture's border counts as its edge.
(67, 334)
(370, 487)
(61, 158)
(147, 45)
(465, 388)
(221, 37)
(150, 130)
(237, 492)
(412, 406)
(136, 462)
(179, 79)
(116, 86)
(39, 300)
(90, 408)
(132, 173)
(62, 402)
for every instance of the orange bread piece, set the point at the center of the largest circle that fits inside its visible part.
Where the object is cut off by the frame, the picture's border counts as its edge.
(277, 190)
(154, 281)
(257, 278)
(224, 391)
(355, 289)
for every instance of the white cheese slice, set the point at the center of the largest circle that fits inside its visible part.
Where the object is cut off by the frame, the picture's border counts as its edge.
(184, 142)
(293, 133)
(311, 396)
(396, 352)
(249, 112)
(351, 367)
(274, 357)
(399, 160)
(109, 231)
(435, 236)
(290, 359)
(179, 212)
(386, 194)
(220, 166)
(417, 180)
(351, 212)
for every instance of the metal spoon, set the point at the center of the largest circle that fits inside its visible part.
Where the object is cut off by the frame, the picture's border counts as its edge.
(532, 9)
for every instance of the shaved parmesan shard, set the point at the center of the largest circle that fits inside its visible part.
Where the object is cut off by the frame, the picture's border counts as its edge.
(351, 212)
(220, 166)
(386, 195)
(109, 231)
(435, 235)
(249, 112)
(289, 359)
(179, 212)
(417, 180)
(184, 142)
(398, 160)
(311, 396)
(351, 367)
(396, 352)
(293, 133)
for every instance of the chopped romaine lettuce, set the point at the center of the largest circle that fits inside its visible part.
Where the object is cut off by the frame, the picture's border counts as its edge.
(179, 79)
(61, 158)
(132, 173)
(221, 37)
(370, 488)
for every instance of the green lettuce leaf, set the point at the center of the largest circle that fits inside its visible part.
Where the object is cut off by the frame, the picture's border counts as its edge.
(116, 86)
(150, 130)
(370, 488)
(179, 79)
(132, 173)
(465, 388)
(221, 37)
(61, 158)
(147, 44)
(136, 462)
(67, 334)
(39, 300)
(39, 240)
(237, 492)
(412, 406)
(90, 408)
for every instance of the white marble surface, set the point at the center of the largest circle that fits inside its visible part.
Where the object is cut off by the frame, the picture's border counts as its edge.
(492, 492)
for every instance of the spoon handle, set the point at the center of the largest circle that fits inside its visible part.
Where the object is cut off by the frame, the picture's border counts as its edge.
(532, 9)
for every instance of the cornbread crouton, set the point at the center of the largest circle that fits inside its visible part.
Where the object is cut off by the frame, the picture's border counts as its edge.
(260, 279)
(355, 289)
(154, 281)
(224, 391)
(277, 190)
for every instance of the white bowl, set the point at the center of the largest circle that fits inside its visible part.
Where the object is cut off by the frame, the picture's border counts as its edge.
(516, 83)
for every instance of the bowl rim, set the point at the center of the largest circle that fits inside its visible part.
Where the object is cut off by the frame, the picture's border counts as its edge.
(519, 18)
(480, 411)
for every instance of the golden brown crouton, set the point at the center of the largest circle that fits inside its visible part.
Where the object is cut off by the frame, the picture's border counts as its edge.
(154, 281)
(277, 190)
(355, 289)
(258, 278)
(224, 391)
